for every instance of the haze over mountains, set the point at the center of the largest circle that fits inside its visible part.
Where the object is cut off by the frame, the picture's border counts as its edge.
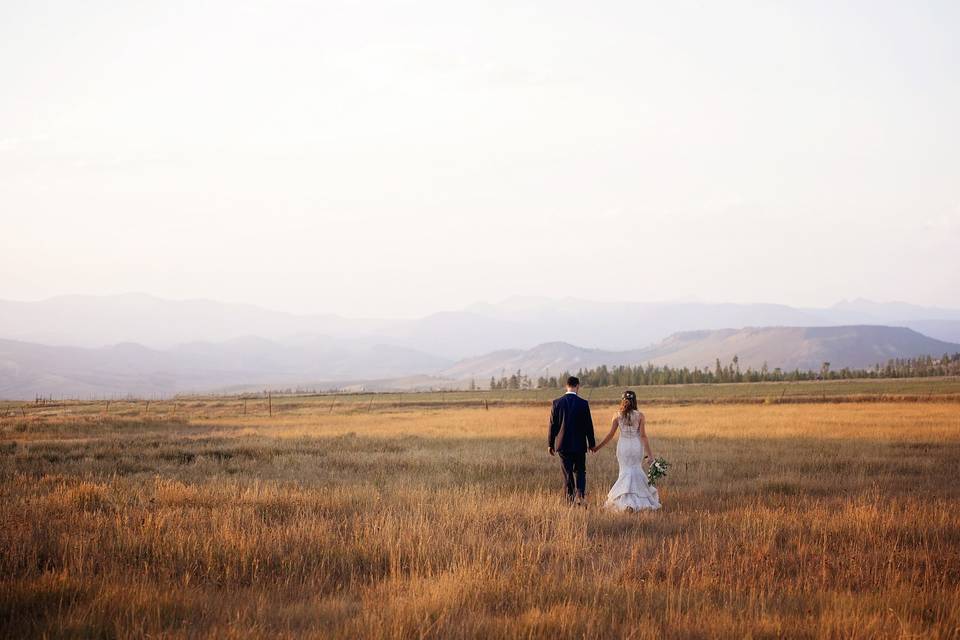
(96, 321)
(140, 344)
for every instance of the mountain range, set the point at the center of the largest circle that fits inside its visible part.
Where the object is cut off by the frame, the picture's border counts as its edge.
(516, 323)
(139, 344)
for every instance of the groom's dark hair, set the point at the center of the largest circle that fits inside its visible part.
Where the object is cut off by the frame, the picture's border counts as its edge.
(573, 381)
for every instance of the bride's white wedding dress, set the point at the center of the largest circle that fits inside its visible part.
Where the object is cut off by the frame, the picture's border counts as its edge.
(631, 491)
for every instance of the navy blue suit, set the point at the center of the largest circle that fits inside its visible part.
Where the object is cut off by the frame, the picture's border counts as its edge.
(571, 435)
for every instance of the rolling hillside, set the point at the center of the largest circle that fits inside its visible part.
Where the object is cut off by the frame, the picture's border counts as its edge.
(551, 358)
(785, 347)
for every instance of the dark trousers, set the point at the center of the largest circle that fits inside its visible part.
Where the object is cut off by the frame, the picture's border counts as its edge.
(574, 473)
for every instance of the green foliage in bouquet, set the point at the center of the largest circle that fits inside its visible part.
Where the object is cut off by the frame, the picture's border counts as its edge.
(658, 469)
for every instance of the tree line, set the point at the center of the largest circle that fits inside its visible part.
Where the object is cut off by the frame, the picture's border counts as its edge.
(641, 375)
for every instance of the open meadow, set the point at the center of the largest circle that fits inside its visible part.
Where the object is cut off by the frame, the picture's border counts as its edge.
(370, 518)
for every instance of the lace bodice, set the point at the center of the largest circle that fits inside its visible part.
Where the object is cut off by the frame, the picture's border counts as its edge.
(629, 426)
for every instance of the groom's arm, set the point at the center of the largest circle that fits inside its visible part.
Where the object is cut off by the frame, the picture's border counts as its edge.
(591, 440)
(554, 426)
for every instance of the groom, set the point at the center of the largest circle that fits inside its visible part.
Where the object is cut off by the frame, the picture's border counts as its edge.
(571, 434)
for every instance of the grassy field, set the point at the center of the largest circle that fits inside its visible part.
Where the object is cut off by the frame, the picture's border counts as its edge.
(830, 519)
(945, 389)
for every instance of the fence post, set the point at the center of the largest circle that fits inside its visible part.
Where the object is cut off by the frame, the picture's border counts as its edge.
(270, 402)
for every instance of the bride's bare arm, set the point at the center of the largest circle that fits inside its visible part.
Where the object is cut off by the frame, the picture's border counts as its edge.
(613, 430)
(643, 438)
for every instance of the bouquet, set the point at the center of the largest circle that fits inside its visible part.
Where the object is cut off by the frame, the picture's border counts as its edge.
(658, 469)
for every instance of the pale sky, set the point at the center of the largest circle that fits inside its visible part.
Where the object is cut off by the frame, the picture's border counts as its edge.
(398, 158)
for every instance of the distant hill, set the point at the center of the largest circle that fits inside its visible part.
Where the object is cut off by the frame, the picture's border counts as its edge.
(552, 358)
(799, 347)
(786, 347)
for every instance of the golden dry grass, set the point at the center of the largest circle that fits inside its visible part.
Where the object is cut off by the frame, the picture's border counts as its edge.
(826, 520)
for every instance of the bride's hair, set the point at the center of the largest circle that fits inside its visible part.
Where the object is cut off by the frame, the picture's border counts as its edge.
(628, 403)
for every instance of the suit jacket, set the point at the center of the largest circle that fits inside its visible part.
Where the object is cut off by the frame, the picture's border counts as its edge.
(571, 425)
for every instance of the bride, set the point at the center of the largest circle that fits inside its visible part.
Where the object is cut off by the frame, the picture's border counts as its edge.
(632, 491)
